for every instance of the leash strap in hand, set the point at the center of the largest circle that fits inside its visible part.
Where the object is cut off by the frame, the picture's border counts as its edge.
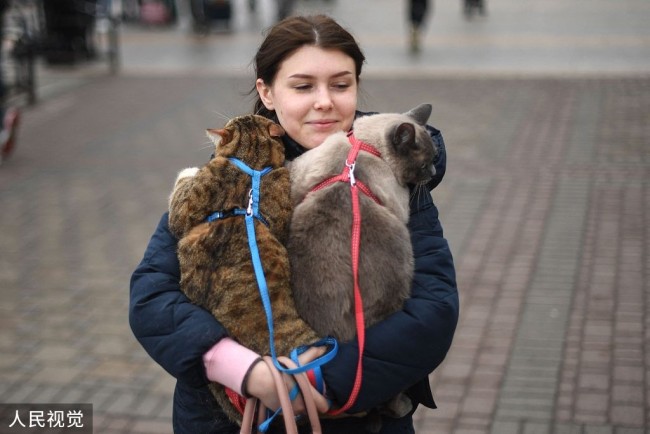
(313, 402)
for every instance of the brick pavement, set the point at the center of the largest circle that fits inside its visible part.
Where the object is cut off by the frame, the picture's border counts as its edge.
(546, 205)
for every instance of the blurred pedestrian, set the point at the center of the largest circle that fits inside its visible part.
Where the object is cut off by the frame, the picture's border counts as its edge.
(69, 26)
(9, 116)
(158, 12)
(471, 6)
(208, 13)
(285, 8)
(417, 14)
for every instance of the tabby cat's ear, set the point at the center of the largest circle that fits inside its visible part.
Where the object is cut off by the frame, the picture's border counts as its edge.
(218, 135)
(420, 114)
(276, 130)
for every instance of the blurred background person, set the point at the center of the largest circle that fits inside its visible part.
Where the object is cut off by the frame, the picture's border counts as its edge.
(69, 25)
(9, 116)
(285, 8)
(417, 13)
(158, 12)
(474, 6)
(208, 13)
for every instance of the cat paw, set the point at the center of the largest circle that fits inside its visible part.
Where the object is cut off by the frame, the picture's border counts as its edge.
(186, 173)
(399, 406)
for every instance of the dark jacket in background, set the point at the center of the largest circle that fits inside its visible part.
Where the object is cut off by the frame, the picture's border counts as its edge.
(400, 351)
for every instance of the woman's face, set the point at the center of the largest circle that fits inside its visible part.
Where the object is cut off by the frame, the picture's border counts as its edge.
(314, 94)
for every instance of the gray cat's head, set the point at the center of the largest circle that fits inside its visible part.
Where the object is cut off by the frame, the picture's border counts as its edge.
(404, 142)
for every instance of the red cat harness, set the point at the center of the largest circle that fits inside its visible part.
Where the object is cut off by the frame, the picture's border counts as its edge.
(347, 175)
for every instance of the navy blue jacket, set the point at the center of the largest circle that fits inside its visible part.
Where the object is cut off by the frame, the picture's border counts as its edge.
(400, 351)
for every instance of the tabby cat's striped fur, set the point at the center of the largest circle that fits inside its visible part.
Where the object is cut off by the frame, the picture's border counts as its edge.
(215, 260)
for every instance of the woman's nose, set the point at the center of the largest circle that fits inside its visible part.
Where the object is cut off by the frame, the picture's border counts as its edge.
(323, 100)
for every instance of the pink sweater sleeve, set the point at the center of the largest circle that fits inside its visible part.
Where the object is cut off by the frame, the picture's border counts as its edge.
(228, 362)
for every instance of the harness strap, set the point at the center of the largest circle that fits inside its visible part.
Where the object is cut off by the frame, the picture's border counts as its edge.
(361, 145)
(348, 171)
(256, 176)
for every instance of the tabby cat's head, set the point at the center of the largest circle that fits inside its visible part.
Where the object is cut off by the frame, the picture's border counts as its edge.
(253, 139)
(404, 142)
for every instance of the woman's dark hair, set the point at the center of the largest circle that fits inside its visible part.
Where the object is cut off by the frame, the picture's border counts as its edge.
(294, 32)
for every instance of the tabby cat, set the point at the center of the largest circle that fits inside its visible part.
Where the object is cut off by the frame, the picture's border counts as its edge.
(215, 260)
(320, 237)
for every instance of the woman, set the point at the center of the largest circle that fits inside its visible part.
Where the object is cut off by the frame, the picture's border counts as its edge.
(308, 71)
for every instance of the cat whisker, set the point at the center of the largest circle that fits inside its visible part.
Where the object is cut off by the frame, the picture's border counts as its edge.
(221, 115)
(207, 145)
(418, 190)
(414, 192)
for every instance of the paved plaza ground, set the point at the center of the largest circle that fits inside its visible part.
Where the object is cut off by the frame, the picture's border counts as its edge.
(546, 205)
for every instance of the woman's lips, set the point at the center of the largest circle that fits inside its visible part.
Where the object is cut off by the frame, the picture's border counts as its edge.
(324, 124)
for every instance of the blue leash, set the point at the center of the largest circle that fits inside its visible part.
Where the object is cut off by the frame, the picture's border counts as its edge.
(251, 213)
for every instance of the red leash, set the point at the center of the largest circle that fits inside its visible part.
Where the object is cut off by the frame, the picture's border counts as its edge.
(348, 176)
(238, 401)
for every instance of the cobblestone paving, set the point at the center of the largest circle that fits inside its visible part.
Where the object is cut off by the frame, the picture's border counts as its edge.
(546, 204)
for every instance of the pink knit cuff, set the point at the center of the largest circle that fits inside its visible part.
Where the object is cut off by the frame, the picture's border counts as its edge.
(228, 362)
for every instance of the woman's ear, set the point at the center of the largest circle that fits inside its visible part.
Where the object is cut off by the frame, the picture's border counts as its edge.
(265, 93)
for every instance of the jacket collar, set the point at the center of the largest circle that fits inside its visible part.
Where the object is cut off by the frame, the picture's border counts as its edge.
(291, 148)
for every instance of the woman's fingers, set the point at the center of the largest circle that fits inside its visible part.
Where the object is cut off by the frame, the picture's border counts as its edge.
(297, 403)
(308, 395)
(312, 353)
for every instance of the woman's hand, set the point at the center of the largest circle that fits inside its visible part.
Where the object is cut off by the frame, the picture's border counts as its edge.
(260, 384)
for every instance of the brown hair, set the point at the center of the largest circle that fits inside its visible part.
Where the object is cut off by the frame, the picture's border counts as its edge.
(291, 34)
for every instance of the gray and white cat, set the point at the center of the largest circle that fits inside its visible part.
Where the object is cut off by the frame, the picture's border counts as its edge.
(320, 231)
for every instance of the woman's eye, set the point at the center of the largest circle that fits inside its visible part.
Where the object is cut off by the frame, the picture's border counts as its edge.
(341, 86)
(302, 87)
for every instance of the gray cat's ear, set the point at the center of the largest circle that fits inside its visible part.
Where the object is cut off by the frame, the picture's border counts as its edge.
(404, 137)
(420, 113)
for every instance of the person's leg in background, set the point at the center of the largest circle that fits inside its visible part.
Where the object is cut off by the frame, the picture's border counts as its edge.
(417, 13)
